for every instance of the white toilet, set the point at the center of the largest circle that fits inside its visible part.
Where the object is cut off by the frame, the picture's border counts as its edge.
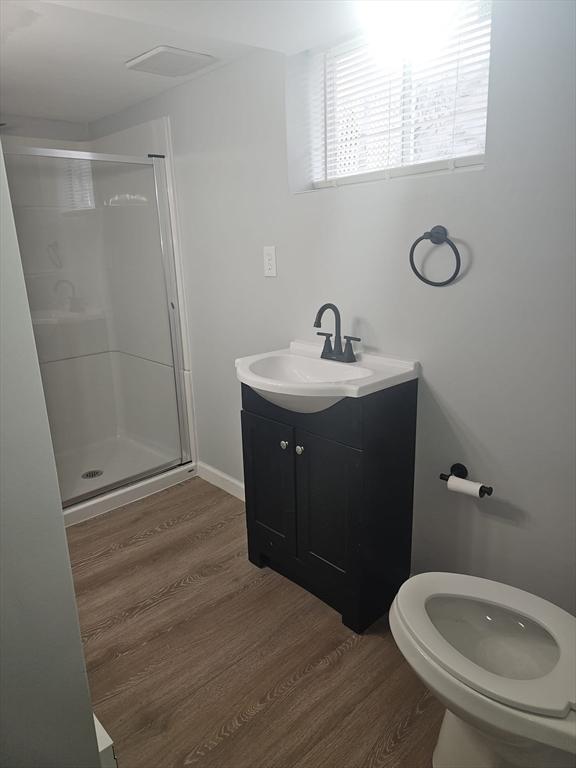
(503, 662)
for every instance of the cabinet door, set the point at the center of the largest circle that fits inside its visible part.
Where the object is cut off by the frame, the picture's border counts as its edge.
(269, 480)
(328, 493)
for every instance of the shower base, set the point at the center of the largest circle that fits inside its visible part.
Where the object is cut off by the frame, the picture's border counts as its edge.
(99, 467)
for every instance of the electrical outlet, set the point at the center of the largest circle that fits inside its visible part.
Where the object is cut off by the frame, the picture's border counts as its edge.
(269, 252)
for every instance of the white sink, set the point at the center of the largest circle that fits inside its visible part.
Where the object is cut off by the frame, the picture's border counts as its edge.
(299, 380)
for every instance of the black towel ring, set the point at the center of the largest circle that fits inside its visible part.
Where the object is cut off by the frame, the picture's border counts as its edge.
(437, 235)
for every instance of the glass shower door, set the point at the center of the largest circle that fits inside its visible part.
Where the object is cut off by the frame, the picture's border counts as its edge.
(98, 270)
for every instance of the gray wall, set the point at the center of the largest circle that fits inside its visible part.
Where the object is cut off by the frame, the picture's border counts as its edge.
(17, 125)
(44, 699)
(497, 348)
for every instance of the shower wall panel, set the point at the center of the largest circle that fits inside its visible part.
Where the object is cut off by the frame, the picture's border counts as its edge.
(60, 244)
(91, 251)
(81, 401)
(140, 338)
(143, 390)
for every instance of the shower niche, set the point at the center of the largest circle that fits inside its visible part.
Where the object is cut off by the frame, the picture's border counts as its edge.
(96, 248)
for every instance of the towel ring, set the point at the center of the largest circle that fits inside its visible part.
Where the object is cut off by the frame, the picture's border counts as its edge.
(437, 235)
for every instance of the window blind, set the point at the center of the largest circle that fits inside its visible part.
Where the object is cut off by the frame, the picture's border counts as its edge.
(366, 117)
(79, 185)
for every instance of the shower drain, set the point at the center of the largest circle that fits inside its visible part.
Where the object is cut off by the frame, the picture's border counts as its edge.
(92, 473)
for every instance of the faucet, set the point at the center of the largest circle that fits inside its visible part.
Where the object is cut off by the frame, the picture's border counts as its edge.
(335, 353)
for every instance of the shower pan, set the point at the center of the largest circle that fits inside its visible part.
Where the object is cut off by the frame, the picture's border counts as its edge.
(96, 247)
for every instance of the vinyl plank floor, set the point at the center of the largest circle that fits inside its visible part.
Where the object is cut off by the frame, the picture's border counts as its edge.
(197, 658)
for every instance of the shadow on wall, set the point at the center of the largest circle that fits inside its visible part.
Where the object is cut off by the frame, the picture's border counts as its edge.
(452, 527)
(361, 328)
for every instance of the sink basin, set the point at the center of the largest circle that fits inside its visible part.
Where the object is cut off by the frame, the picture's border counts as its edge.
(299, 380)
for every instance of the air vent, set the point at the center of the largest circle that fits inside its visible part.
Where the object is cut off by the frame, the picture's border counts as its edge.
(170, 62)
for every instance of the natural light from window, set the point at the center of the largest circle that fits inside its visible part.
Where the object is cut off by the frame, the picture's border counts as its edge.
(409, 95)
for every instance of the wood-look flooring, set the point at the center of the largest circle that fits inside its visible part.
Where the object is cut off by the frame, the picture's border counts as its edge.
(198, 658)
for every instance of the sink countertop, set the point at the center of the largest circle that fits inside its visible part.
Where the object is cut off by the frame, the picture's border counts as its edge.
(299, 371)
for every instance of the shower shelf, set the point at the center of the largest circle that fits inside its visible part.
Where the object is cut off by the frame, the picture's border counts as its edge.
(55, 317)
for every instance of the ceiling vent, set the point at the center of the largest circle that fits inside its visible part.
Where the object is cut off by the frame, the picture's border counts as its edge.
(170, 62)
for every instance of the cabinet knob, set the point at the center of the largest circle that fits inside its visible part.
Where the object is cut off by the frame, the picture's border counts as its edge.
(299, 450)
(283, 444)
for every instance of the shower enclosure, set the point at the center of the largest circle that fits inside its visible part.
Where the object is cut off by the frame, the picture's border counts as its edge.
(96, 246)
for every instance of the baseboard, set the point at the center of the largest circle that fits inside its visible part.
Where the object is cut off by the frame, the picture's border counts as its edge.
(94, 507)
(109, 501)
(221, 480)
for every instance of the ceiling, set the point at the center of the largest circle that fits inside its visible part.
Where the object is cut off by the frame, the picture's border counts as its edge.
(65, 59)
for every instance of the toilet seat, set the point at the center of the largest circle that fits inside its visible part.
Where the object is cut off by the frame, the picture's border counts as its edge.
(552, 694)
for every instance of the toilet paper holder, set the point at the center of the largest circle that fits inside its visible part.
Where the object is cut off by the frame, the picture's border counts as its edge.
(461, 470)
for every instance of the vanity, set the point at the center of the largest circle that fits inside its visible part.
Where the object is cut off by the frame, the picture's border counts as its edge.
(328, 467)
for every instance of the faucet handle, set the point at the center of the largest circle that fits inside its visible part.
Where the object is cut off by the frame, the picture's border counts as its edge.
(349, 356)
(327, 350)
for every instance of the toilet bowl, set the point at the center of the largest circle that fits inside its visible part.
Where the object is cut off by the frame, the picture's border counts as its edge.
(501, 660)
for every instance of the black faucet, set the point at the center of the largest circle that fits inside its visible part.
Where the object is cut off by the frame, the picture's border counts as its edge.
(335, 353)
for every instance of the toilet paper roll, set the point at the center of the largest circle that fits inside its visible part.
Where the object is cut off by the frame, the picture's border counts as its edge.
(459, 485)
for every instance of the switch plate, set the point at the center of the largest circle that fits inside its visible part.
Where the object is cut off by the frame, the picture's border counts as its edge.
(269, 252)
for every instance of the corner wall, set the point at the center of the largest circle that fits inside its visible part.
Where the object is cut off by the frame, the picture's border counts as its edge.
(497, 348)
(45, 704)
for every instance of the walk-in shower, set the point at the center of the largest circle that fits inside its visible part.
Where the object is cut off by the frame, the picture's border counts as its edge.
(96, 246)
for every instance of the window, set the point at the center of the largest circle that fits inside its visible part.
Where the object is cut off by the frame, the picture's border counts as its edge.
(375, 110)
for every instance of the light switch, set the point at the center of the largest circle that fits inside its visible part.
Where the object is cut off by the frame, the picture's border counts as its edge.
(269, 252)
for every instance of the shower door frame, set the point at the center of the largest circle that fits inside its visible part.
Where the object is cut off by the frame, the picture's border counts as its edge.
(158, 164)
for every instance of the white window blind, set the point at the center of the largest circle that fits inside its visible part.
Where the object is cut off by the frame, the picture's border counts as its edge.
(78, 186)
(366, 117)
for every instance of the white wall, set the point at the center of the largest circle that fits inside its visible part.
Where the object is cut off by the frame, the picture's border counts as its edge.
(44, 699)
(59, 130)
(497, 348)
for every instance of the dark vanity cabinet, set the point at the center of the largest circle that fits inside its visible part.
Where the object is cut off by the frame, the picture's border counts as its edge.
(329, 496)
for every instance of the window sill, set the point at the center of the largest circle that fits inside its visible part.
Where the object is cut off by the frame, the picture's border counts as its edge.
(472, 162)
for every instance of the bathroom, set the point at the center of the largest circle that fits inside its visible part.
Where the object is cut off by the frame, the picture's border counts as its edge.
(161, 230)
